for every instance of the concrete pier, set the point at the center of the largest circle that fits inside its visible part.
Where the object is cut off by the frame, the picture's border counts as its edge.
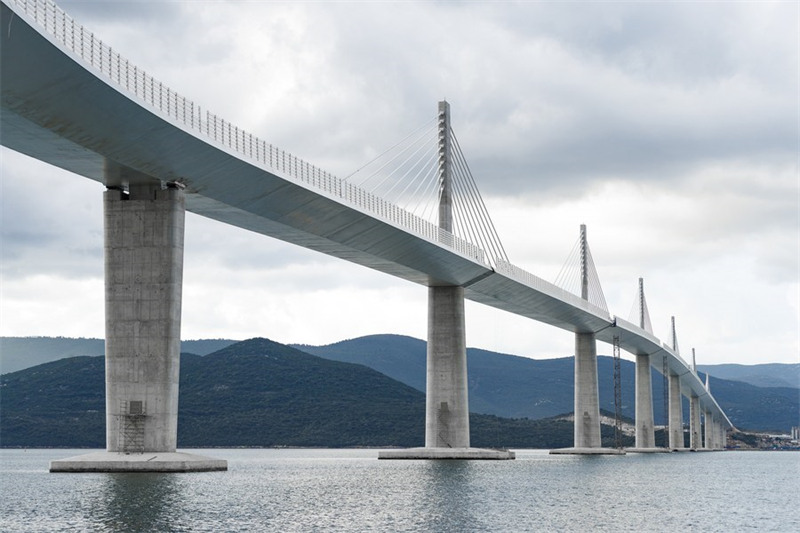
(708, 442)
(645, 426)
(675, 413)
(587, 403)
(446, 403)
(144, 231)
(695, 442)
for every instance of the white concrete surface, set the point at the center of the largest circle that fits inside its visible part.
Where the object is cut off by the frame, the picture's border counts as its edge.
(447, 453)
(138, 462)
(587, 403)
(143, 279)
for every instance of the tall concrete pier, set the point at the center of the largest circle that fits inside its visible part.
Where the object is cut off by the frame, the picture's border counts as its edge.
(144, 229)
(144, 271)
(675, 413)
(587, 405)
(695, 441)
(446, 404)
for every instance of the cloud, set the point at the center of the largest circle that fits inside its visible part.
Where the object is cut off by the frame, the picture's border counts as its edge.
(671, 129)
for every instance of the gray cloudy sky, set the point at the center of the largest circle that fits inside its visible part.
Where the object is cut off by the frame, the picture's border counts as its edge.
(670, 129)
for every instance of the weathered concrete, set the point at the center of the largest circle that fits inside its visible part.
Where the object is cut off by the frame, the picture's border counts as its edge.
(675, 413)
(143, 277)
(587, 404)
(587, 451)
(695, 441)
(138, 462)
(447, 406)
(645, 426)
(447, 453)
(144, 273)
(647, 450)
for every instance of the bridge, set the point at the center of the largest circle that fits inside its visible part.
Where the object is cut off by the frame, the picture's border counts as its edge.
(70, 100)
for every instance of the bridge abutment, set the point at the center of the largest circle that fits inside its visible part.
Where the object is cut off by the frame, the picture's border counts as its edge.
(144, 232)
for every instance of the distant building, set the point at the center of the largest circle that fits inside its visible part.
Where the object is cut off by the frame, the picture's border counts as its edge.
(796, 433)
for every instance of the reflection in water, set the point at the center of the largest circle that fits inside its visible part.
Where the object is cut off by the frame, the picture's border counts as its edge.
(136, 502)
(448, 495)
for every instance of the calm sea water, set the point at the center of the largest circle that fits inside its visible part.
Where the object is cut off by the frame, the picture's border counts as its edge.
(350, 490)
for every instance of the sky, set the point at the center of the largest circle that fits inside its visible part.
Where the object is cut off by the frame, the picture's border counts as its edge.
(672, 130)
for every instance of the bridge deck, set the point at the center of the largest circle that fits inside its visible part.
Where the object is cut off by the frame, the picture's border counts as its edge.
(58, 108)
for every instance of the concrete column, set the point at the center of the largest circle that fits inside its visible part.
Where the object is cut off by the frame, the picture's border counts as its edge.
(708, 431)
(447, 409)
(587, 404)
(143, 278)
(645, 430)
(675, 413)
(694, 423)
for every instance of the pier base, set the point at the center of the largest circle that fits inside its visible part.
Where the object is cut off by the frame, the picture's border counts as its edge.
(138, 462)
(447, 453)
(647, 450)
(587, 451)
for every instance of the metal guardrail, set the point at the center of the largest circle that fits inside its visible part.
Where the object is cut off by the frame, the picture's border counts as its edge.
(526, 278)
(192, 117)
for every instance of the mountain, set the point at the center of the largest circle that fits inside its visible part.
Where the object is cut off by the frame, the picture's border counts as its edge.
(18, 353)
(505, 385)
(763, 375)
(252, 393)
(511, 386)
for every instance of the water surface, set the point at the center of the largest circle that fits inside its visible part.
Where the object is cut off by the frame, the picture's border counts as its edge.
(350, 490)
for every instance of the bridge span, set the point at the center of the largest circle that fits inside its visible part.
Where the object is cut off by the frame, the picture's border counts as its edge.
(68, 99)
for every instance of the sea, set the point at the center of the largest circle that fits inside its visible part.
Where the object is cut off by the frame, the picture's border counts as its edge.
(286, 490)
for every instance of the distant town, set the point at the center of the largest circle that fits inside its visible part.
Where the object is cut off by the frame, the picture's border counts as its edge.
(764, 441)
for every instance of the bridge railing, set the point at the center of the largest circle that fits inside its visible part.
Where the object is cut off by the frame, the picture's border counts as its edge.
(526, 278)
(191, 117)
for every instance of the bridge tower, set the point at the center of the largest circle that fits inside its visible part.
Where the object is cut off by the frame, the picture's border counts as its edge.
(587, 403)
(645, 425)
(447, 407)
(675, 422)
(446, 401)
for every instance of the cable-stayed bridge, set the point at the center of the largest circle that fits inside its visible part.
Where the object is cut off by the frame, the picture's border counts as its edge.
(72, 101)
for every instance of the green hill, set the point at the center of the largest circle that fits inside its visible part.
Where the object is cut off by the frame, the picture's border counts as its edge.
(510, 386)
(253, 393)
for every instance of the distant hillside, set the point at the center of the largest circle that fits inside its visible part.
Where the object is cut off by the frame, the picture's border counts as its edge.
(503, 385)
(18, 353)
(253, 393)
(763, 375)
(511, 386)
(499, 384)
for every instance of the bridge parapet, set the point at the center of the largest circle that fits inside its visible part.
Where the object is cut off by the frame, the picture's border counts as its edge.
(63, 30)
(523, 276)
